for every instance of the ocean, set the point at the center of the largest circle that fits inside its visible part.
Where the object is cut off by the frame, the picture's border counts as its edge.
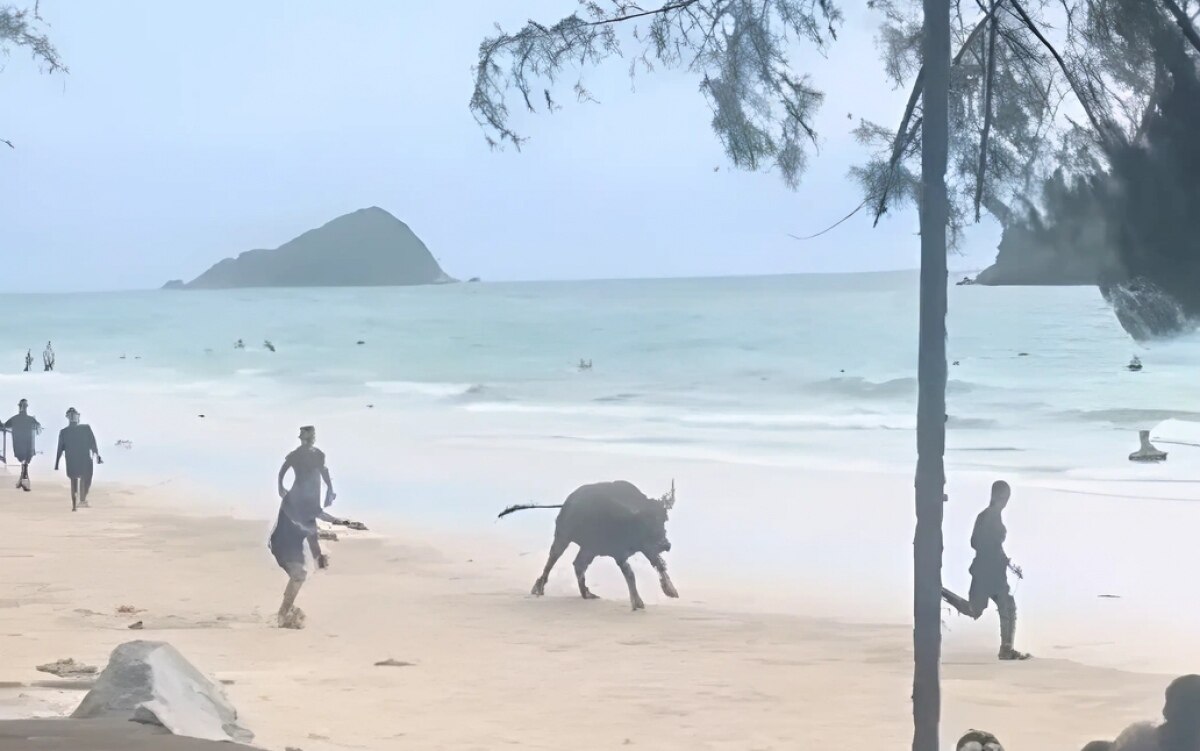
(808, 370)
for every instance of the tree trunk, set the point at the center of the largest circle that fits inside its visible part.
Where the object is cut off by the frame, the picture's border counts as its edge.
(931, 376)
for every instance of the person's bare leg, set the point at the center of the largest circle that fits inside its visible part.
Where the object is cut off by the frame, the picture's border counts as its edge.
(85, 484)
(634, 598)
(972, 608)
(582, 561)
(74, 493)
(558, 547)
(291, 616)
(1007, 605)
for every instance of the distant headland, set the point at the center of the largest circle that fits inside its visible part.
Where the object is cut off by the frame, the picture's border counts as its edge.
(366, 248)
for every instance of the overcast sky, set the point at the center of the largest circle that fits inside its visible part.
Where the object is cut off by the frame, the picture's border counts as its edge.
(191, 131)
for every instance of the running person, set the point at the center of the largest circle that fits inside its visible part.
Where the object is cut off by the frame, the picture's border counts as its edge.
(989, 573)
(24, 428)
(78, 443)
(296, 524)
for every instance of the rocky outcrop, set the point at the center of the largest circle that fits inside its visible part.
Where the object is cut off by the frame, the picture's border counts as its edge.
(367, 248)
(152, 683)
(1063, 241)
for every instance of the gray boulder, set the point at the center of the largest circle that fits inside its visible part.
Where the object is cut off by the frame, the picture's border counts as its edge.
(152, 683)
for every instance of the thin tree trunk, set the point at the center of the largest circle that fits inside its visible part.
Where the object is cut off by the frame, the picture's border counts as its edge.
(990, 79)
(1184, 23)
(931, 377)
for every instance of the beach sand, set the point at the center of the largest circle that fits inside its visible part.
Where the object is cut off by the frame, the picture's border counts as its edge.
(490, 666)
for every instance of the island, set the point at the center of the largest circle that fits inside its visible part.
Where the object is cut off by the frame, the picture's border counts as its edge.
(366, 248)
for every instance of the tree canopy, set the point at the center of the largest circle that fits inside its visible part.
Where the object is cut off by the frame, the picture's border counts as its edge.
(24, 28)
(1046, 97)
(763, 111)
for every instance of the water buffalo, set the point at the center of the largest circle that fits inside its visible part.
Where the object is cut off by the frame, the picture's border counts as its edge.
(612, 519)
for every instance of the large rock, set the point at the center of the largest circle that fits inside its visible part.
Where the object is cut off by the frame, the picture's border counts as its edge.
(151, 682)
(367, 248)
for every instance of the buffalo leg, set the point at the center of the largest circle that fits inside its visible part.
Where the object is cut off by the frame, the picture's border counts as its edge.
(634, 598)
(556, 550)
(582, 561)
(664, 579)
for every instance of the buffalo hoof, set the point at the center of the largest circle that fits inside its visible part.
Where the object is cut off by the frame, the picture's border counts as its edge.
(669, 590)
(539, 588)
(590, 596)
(638, 605)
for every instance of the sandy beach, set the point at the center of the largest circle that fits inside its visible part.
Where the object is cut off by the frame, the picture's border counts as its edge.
(490, 666)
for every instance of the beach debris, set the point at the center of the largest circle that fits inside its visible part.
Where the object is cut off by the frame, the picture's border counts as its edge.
(1109, 597)
(360, 342)
(138, 626)
(268, 345)
(67, 668)
(348, 524)
(370, 406)
(326, 534)
(200, 416)
(152, 683)
(390, 663)
(124, 444)
(1022, 354)
(239, 344)
(127, 610)
(1147, 452)
(1135, 364)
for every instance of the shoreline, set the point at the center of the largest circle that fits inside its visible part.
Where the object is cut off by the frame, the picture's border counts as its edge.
(492, 666)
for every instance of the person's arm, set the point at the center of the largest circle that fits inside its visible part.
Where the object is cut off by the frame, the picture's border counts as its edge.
(977, 534)
(95, 449)
(329, 494)
(62, 447)
(314, 545)
(287, 464)
(329, 518)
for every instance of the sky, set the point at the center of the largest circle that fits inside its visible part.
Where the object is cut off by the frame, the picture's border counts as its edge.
(187, 132)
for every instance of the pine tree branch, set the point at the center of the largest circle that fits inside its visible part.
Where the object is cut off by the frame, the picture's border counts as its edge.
(1103, 130)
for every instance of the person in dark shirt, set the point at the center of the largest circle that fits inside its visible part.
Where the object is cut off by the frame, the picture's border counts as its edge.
(24, 428)
(296, 524)
(28, 360)
(77, 443)
(989, 573)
